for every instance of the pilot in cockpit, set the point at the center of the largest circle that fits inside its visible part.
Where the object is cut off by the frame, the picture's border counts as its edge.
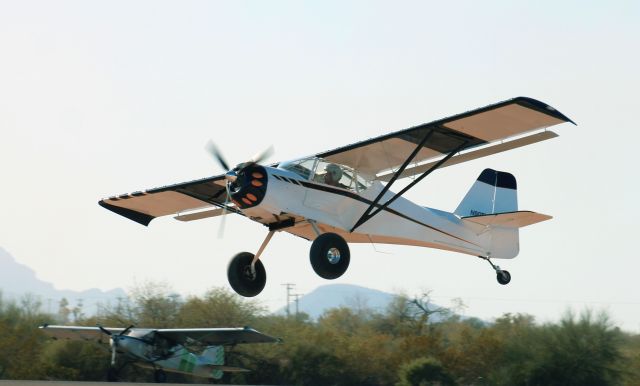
(332, 175)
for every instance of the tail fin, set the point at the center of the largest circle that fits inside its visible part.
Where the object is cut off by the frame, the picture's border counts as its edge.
(493, 192)
(491, 205)
(214, 356)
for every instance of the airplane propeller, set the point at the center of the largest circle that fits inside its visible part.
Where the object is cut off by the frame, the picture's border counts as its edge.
(114, 340)
(232, 174)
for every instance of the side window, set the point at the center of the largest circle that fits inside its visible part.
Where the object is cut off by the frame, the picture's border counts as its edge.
(335, 175)
(362, 182)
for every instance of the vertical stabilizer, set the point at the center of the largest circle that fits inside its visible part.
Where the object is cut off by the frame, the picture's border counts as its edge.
(493, 192)
(214, 355)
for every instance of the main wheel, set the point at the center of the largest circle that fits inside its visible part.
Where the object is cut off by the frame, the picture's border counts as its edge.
(329, 255)
(241, 279)
(112, 375)
(504, 277)
(160, 376)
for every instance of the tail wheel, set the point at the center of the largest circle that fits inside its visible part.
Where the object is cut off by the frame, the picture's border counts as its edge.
(242, 278)
(504, 277)
(329, 256)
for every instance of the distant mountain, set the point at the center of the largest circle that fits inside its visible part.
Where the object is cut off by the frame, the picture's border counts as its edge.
(17, 279)
(326, 297)
(330, 296)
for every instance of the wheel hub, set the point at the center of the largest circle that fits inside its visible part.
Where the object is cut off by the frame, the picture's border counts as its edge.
(249, 273)
(333, 255)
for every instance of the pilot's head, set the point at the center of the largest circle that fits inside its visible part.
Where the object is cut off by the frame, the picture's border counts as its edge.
(333, 173)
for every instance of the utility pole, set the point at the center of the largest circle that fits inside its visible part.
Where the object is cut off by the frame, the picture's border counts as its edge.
(289, 287)
(296, 299)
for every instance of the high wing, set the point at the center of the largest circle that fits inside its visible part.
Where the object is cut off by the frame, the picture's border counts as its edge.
(77, 332)
(466, 134)
(142, 207)
(429, 146)
(215, 336)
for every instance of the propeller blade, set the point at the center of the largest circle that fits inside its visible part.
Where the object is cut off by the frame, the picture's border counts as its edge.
(104, 330)
(126, 330)
(224, 212)
(216, 154)
(113, 353)
(222, 223)
(263, 155)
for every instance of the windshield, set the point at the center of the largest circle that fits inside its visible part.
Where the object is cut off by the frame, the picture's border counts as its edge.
(301, 167)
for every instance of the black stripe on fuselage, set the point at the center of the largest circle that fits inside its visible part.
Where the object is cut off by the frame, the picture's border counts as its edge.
(355, 196)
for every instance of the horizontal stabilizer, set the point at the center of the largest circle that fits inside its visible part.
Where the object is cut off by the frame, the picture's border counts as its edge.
(229, 369)
(509, 219)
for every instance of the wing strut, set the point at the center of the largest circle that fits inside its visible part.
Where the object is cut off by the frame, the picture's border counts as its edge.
(368, 214)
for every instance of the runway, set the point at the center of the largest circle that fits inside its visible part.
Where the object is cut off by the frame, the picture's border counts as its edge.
(61, 383)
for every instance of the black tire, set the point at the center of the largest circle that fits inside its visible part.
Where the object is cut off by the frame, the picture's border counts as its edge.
(323, 256)
(160, 376)
(240, 277)
(112, 375)
(504, 277)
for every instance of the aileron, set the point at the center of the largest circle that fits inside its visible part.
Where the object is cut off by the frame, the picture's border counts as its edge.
(475, 154)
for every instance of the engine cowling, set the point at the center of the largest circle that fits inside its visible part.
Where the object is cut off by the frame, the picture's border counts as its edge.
(250, 186)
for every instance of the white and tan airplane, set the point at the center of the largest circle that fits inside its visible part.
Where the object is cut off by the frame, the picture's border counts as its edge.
(343, 195)
(194, 351)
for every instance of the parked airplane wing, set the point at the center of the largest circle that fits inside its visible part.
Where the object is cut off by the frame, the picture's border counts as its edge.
(142, 207)
(462, 132)
(77, 332)
(215, 336)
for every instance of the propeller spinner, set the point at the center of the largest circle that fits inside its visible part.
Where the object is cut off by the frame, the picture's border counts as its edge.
(114, 340)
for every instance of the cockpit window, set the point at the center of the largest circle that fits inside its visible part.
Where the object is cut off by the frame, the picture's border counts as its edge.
(325, 172)
(340, 176)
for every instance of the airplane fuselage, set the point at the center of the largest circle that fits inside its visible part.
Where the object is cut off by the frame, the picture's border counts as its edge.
(337, 209)
(176, 359)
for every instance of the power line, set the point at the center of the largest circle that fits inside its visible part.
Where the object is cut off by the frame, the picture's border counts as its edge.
(537, 300)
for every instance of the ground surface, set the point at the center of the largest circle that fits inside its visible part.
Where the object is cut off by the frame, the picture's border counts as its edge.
(56, 383)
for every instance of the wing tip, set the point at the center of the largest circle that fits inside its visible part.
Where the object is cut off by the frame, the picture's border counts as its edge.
(139, 217)
(545, 108)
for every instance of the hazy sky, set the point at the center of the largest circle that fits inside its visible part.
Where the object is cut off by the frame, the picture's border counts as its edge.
(103, 98)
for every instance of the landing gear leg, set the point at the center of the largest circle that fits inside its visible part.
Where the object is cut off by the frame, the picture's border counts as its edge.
(246, 272)
(503, 276)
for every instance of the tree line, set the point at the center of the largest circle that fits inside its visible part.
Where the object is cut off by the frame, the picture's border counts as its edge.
(403, 345)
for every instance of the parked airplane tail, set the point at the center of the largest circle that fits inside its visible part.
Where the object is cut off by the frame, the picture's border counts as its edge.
(214, 356)
(491, 205)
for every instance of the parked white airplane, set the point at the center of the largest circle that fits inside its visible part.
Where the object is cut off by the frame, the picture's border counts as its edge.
(193, 351)
(338, 196)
